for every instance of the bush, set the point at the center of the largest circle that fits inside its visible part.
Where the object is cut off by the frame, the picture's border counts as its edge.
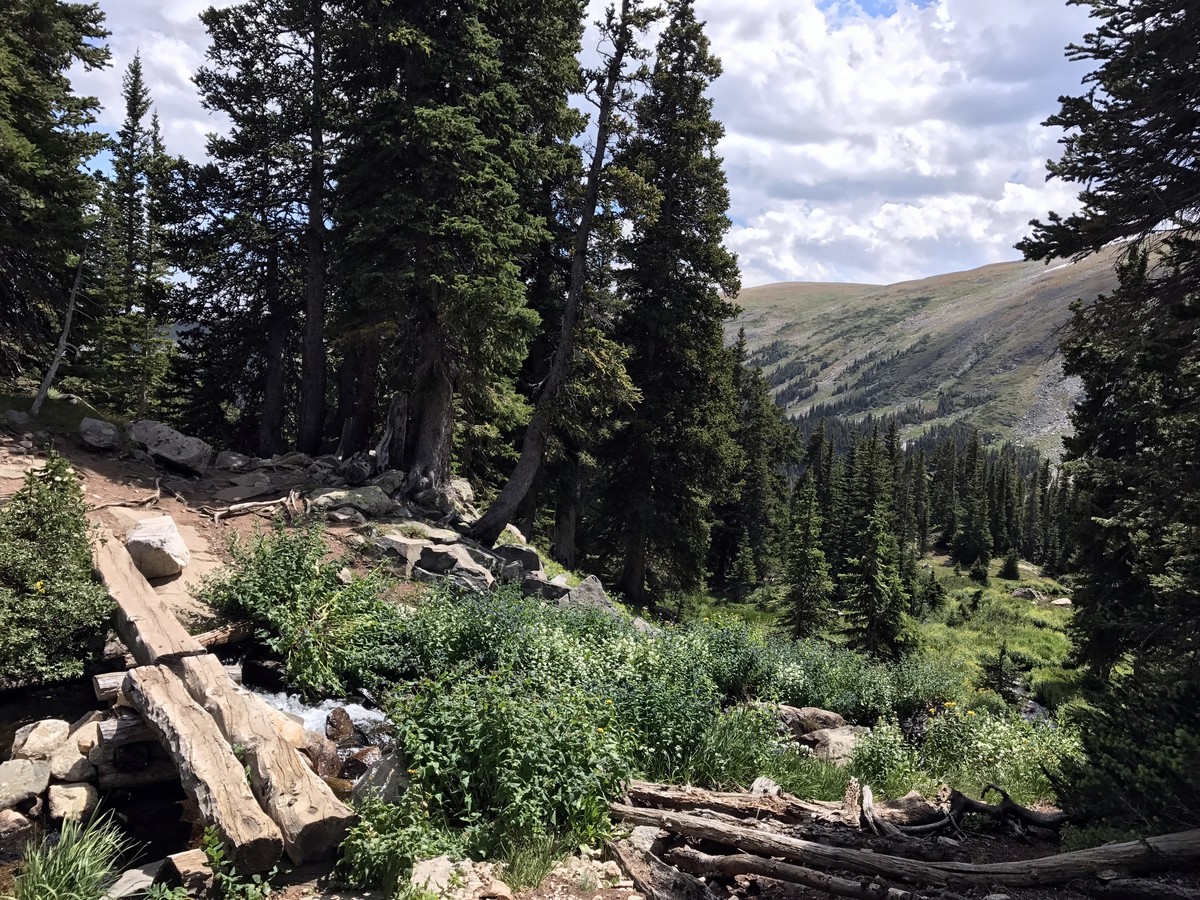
(80, 865)
(884, 760)
(1011, 570)
(52, 613)
(380, 849)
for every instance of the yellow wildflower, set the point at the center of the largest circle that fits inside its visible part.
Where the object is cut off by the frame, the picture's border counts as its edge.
(950, 704)
(970, 712)
(38, 586)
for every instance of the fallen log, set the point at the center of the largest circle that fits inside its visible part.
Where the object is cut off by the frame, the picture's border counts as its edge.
(699, 863)
(871, 821)
(784, 807)
(145, 625)
(311, 819)
(232, 633)
(655, 879)
(188, 870)
(210, 773)
(1149, 854)
(108, 687)
(1005, 810)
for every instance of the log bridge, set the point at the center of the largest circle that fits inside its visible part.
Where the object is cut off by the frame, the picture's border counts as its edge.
(262, 797)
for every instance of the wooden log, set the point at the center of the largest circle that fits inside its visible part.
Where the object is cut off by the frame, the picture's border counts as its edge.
(655, 879)
(158, 771)
(108, 685)
(188, 870)
(144, 624)
(784, 807)
(1006, 809)
(210, 773)
(1150, 854)
(125, 730)
(699, 863)
(232, 633)
(311, 819)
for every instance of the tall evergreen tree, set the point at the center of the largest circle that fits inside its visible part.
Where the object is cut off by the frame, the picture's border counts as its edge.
(876, 599)
(46, 136)
(667, 458)
(1131, 144)
(809, 586)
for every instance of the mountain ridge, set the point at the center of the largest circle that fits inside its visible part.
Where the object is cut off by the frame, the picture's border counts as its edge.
(979, 346)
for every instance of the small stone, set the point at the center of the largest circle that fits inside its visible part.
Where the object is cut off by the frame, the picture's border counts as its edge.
(497, 890)
(15, 831)
(86, 732)
(157, 548)
(229, 459)
(357, 764)
(339, 728)
(21, 780)
(39, 740)
(72, 801)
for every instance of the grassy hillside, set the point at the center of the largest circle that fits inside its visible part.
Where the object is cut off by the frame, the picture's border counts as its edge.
(983, 342)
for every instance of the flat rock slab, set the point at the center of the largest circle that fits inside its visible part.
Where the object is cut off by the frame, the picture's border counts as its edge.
(134, 882)
(157, 547)
(21, 780)
(189, 453)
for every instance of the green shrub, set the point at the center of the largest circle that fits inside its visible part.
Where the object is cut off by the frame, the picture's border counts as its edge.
(52, 612)
(1011, 570)
(884, 760)
(382, 846)
(81, 865)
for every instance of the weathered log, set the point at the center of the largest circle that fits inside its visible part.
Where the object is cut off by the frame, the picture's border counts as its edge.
(1149, 854)
(654, 878)
(188, 870)
(145, 625)
(233, 633)
(311, 819)
(157, 771)
(210, 773)
(126, 729)
(699, 863)
(784, 807)
(1006, 809)
(873, 822)
(108, 687)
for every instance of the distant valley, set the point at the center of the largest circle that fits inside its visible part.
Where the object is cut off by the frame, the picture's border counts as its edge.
(977, 346)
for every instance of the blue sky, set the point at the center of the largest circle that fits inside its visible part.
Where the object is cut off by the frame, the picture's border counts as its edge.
(866, 140)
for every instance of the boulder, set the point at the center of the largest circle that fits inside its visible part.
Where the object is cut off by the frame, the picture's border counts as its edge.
(370, 500)
(22, 780)
(85, 733)
(357, 469)
(39, 740)
(72, 801)
(405, 550)
(357, 763)
(527, 556)
(835, 745)
(538, 586)
(347, 516)
(807, 719)
(515, 532)
(436, 499)
(390, 481)
(166, 443)
(388, 778)
(99, 434)
(1028, 593)
(462, 491)
(295, 459)
(1061, 601)
(454, 559)
(15, 832)
(339, 727)
(435, 874)
(16, 417)
(68, 764)
(589, 595)
(157, 548)
(322, 755)
(230, 459)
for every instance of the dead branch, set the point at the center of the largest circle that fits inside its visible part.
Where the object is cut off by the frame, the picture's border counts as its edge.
(654, 878)
(784, 807)
(1156, 854)
(288, 504)
(871, 822)
(1005, 810)
(699, 863)
(151, 500)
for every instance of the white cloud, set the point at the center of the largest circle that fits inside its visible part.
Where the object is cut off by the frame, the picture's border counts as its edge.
(859, 147)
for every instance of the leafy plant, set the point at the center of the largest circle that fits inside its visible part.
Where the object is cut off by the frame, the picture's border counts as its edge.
(382, 846)
(52, 611)
(81, 865)
(228, 884)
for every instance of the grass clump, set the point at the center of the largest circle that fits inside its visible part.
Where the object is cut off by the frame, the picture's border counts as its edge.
(81, 865)
(52, 613)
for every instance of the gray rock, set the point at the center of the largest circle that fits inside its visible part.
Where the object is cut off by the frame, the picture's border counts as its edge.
(166, 443)
(357, 469)
(390, 481)
(16, 417)
(807, 719)
(72, 801)
(99, 434)
(406, 551)
(454, 559)
(589, 595)
(15, 832)
(527, 556)
(339, 727)
(462, 490)
(435, 498)
(835, 745)
(1061, 601)
(388, 778)
(157, 547)
(347, 515)
(230, 459)
(40, 740)
(1028, 593)
(134, 882)
(21, 780)
(369, 499)
(649, 839)
(434, 874)
(68, 764)
(538, 586)
(295, 459)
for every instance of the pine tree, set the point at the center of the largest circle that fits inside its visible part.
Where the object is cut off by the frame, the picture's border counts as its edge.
(973, 543)
(809, 586)
(669, 455)
(46, 196)
(876, 599)
(1131, 142)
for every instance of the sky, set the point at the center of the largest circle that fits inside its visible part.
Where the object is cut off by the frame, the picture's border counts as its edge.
(868, 141)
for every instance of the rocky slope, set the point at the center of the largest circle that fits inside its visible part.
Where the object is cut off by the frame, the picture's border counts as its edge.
(980, 346)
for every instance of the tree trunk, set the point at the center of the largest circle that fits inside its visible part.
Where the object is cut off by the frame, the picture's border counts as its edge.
(566, 511)
(430, 429)
(312, 385)
(500, 513)
(358, 379)
(62, 345)
(632, 582)
(270, 423)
